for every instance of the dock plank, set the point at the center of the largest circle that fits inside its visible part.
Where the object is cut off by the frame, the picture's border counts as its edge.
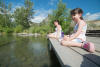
(94, 57)
(68, 57)
(96, 41)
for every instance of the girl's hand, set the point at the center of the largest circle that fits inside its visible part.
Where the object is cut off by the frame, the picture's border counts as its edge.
(66, 37)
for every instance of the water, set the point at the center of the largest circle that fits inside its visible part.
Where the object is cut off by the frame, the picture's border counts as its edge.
(19, 51)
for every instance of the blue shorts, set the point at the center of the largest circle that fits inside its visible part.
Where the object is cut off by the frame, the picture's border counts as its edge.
(77, 40)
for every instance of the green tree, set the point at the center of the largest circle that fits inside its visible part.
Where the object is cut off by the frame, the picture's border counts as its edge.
(24, 14)
(62, 14)
(5, 16)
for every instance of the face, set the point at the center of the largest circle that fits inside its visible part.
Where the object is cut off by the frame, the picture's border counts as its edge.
(76, 17)
(55, 23)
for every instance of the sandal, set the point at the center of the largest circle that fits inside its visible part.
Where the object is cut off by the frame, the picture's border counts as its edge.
(88, 46)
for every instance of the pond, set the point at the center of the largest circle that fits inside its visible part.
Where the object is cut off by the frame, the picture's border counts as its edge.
(26, 51)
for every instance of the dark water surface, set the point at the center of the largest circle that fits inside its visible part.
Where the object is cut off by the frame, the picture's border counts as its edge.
(26, 51)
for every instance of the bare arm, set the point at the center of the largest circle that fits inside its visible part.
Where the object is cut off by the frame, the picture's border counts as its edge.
(81, 24)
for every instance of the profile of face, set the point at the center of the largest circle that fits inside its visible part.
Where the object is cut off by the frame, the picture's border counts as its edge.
(55, 23)
(76, 17)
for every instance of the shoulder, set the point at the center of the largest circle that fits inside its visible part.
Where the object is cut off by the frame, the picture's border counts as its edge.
(82, 23)
(59, 26)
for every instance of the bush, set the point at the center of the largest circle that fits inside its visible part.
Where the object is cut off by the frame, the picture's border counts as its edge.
(43, 29)
(1, 29)
(31, 29)
(18, 29)
(26, 31)
(8, 30)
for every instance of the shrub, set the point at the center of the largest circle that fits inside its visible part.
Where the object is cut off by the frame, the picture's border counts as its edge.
(18, 29)
(1, 29)
(8, 30)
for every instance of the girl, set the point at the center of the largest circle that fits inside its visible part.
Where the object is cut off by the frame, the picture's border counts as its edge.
(58, 31)
(78, 38)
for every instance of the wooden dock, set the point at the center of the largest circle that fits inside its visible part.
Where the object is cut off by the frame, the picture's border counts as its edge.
(74, 56)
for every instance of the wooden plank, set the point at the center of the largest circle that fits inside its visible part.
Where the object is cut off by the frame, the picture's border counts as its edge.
(69, 57)
(96, 41)
(94, 57)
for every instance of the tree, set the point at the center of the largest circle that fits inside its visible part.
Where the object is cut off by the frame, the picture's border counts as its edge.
(62, 14)
(5, 15)
(24, 14)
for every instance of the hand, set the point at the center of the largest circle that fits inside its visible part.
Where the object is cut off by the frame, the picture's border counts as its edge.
(66, 38)
(67, 35)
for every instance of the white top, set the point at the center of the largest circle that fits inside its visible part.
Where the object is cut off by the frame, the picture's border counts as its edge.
(60, 32)
(83, 32)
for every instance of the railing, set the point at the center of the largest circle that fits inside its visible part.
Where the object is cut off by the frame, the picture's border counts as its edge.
(93, 33)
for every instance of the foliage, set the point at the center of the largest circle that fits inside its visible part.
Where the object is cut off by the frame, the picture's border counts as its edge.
(19, 20)
(62, 14)
(24, 14)
(41, 28)
(18, 29)
(5, 16)
(1, 29)
(8, 30)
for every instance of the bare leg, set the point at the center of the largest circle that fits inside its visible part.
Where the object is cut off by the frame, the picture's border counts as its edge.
(76, 44)
(51, 35)
(71, 43)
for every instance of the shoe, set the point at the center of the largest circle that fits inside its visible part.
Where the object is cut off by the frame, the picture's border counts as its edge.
(89, 46)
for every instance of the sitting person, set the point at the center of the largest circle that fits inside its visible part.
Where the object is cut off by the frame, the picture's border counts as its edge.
(58, 31)
(78, 38)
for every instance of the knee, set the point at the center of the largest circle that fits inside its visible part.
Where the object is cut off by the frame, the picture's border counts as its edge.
(48, 35)
(65, 43)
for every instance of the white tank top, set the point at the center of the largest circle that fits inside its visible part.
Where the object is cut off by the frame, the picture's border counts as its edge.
(60, 32)
(83, 32)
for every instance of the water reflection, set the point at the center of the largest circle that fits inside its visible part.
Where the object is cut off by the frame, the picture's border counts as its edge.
(26, 52)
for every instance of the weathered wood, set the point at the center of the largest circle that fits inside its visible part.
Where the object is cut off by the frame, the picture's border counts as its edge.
(93, 57)
(96, 41)
(69, 57)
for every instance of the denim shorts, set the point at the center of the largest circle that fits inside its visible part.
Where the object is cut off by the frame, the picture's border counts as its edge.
(77, 40)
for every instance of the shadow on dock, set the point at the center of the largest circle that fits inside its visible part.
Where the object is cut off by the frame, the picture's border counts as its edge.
(96, 61)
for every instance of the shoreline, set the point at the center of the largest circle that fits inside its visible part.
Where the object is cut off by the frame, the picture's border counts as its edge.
(24, 34)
